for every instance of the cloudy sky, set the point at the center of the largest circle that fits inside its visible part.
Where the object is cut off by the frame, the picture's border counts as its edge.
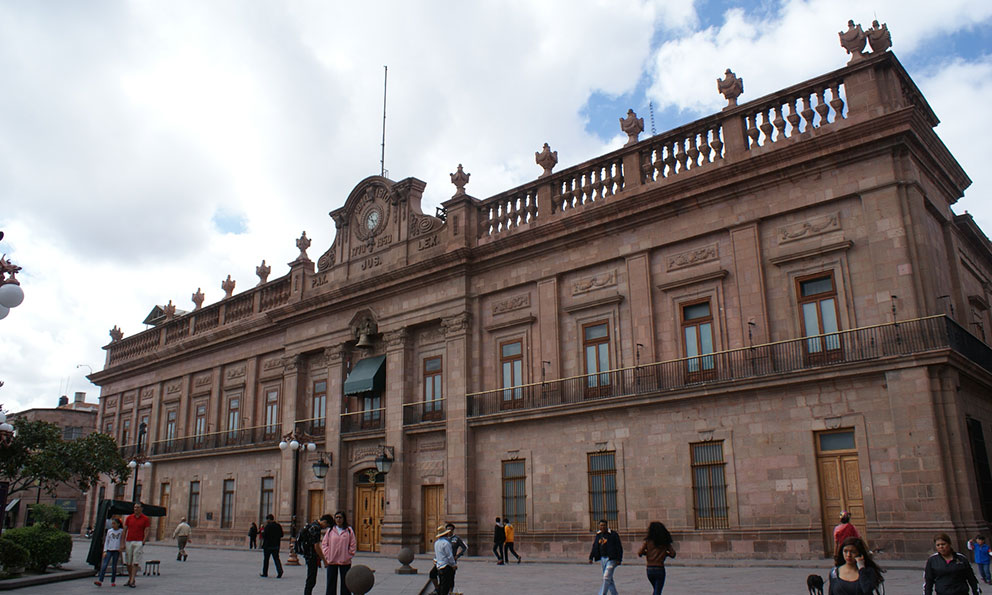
(149, 148)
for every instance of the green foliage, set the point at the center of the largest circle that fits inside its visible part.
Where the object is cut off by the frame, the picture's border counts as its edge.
(12, 556)
(45, 546)
(49, 515)
(39, 456)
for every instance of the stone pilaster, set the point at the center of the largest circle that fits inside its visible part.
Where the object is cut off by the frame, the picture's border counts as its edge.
(458, 479)
(290, 409)
(397, 523)
(336, 486)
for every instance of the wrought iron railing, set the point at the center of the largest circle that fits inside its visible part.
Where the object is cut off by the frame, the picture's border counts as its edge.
(363, 421)
(250, 436)
(832, 349)
(423, 412)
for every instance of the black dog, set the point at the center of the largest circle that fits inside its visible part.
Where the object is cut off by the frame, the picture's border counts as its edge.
(815, 584)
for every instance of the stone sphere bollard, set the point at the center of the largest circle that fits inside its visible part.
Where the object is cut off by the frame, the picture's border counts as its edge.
(360, 579)
(405, 557)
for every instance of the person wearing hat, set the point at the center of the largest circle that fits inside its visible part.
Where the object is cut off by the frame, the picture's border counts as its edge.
(444, 559)
(844, 530)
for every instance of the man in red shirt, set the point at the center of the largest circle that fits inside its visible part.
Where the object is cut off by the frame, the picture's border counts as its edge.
(136, 529)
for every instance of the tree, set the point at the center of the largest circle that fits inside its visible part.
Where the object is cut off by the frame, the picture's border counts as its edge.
(39, 456)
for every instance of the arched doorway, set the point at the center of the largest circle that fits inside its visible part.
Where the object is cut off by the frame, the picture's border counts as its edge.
(370, 506)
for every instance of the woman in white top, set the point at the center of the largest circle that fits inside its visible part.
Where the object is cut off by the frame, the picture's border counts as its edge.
(113, 545)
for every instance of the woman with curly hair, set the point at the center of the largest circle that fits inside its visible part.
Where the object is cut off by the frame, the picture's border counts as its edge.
(855, 572)
(657, 546)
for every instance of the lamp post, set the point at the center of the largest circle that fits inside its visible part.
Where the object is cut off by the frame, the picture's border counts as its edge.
(6, 439)
(139, 460)
(297, 441)
(11, 294)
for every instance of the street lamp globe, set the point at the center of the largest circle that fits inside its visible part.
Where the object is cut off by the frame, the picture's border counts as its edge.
(283, 445)
(311, 446)
(132, 464)
(294, 444)
(146, 464)
(11, 295)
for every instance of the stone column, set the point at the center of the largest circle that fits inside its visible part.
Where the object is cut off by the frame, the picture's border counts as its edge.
(397, 523)
(458, 491)
(336, 486)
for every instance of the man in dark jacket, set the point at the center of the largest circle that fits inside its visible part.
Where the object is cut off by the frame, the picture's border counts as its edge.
(499, 538)
(271, 536)
(606, 548)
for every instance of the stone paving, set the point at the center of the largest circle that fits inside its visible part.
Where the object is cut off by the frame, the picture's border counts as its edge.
(215, 570)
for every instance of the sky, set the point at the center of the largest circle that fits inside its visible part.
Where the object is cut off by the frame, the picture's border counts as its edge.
(151, 148)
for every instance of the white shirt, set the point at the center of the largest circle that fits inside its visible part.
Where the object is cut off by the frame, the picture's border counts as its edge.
(112, 542)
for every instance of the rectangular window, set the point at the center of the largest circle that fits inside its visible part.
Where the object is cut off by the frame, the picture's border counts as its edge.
(125, 431)
(200, 424)
(317, 410)
(271, 414)
(193, 510)
(119, 491)
(596, 353)
(697, 336)
(268, 495)
(602, 487)
(233, 417)
(819, 314)
(170, 425)
(109, 428)
(432, 387)
(227, 505)
(511, 361)
(371, 410)
(515, 493)
(709, 485)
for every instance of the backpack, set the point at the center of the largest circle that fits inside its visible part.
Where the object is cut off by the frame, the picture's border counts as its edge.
(303, 546)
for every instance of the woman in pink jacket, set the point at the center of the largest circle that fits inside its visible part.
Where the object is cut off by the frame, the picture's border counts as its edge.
(339, 545)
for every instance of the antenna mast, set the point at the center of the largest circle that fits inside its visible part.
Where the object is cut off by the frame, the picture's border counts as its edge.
(651, 107)
(382, 158)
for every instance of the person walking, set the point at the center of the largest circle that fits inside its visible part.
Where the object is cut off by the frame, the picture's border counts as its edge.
(509, 531)
(137, 527)
(339, 545)
(855, 573)
(948, 572)
(444, 559)
(607, 548)
(499, 538)
(981, 550)
(657, 546)
(253, 536)
(458, 548)
(271, 538)
(113, 545)
(844, 530)
(308, 546)
(181, 535)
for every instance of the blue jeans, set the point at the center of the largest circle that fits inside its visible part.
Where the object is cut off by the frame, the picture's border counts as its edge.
(110, 557)
(984, 570)
(609, 566)
(656, 576)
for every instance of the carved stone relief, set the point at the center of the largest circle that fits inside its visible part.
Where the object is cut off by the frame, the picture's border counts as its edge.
(236, 372)
(202, 381)
(430, 468)
(512, 303)
(429, 445)
(396, 339)
(272, 364)
(430, 336)
(363, 452)
(146, 393)
(423, 224)
(174, 387)
(809, 228)
(128, 398)
(456, 324)
(691, 258)
(607, 279)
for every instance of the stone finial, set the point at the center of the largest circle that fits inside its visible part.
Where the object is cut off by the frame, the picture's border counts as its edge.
(263, 272)
(460, 179)
(303, 243)
(730, 87)
(228, 286)
(879, 37)
(632, 126)
(547, 159)
(116, 334)
(170, 310)
(853, 40)
(198, 299)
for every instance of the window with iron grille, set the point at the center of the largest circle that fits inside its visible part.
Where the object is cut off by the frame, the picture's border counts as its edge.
(709, 485)
(268, 493)
(193, 510)
(515, 493)
(602, 487)
(227, 505)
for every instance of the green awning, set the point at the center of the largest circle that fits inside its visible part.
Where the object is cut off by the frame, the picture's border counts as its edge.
(368, 375)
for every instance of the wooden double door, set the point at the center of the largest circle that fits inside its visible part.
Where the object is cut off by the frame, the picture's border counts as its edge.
(840, 484)
(370, 507)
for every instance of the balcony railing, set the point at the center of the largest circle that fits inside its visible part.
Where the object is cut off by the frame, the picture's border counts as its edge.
(423, 412)
(240, 437)
(363, 421)
(843, 347)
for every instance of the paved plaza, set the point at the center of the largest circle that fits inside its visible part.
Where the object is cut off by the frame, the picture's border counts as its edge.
(214, 570)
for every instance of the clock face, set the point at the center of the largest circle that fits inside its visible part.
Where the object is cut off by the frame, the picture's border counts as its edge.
(372, 220)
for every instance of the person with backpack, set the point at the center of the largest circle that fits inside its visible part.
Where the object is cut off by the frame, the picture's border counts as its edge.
(271, 538)
(339, 547)
(308, 545)
(854, 573)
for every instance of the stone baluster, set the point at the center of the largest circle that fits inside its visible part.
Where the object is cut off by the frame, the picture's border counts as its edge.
(821, 107)
(793, 118)
(779, 121)
(807, 113)
(669, 159)
(752, 129)
(766, 126)
(693, 151)
(716, 143)
(837, 102)
(681, 155)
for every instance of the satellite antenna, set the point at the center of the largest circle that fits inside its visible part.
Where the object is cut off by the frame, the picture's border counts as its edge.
(382, 158)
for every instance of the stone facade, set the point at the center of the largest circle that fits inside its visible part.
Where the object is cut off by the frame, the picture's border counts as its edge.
(628, 338)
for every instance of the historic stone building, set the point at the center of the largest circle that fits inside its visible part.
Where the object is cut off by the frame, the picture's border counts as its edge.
(738, 327)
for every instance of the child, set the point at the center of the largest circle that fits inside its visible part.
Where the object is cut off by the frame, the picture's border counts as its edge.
(981, 550)
(113, 545)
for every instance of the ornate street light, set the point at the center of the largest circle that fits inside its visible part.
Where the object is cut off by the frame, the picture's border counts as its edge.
(139, 460)
(6, 430)
(296, 441)
(11, 294)
(384, 462)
